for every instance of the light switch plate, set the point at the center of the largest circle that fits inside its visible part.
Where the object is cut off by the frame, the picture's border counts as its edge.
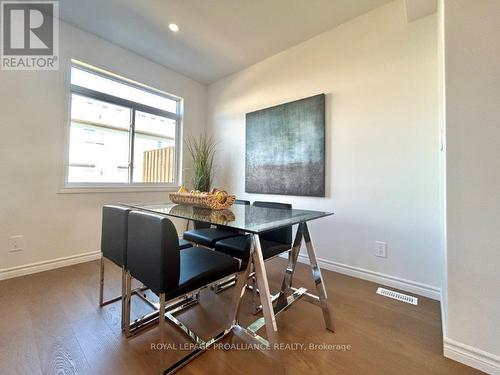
(16, 243)
(381, 249)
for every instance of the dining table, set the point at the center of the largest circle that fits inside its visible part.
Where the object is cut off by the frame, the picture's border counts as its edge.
(256, 221)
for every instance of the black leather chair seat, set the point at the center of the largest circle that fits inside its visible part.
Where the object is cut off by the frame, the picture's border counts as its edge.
(183, 244)
(199, 267)
(208, 236)
(239, 247)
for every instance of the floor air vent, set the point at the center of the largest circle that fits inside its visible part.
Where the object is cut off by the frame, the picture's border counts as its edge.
(399, 296)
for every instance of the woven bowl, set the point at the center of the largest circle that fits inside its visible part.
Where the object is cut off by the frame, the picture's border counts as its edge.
(203, 200)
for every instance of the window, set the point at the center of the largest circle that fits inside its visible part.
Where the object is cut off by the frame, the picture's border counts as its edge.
(121, 133)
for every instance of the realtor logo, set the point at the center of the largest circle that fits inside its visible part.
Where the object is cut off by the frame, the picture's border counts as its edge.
(29, 35)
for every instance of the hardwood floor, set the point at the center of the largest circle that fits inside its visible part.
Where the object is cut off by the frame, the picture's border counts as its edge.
(51, 324)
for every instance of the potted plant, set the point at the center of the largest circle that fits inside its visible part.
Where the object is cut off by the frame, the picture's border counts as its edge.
(202, 152)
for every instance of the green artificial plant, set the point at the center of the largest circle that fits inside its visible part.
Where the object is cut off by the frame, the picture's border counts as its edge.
(202, 151)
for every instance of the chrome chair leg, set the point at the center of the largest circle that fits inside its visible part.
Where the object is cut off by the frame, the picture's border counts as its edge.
(126, 305)
(120, 298)
(124, 291)
(125, 285)
(101, 283)
(103, 302)
(178, 304)
(162, 314)
(166, 313)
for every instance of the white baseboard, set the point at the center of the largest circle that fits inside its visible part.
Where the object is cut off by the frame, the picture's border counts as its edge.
(28, 269)
(377, 277)
(470, 356)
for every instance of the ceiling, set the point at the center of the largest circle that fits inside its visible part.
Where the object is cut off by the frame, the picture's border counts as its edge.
(216, 37)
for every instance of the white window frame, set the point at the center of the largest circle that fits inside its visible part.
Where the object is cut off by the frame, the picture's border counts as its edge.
(96, 187)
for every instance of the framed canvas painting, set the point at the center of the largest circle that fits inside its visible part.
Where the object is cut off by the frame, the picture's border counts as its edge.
(285, 149)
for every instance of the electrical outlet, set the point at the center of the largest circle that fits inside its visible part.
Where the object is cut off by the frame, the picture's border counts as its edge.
(380, 249)
(16, 243)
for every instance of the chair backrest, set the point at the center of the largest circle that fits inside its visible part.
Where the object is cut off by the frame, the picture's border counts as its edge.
(153, 251)
(282, 235)
(114, 233)
(241, 201)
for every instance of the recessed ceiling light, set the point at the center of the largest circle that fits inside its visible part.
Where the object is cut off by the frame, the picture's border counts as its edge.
(173, 27)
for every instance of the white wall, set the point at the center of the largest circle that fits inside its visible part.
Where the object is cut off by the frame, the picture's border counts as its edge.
(382, 157)
(442, 160)
(472, 104)
(33, 108)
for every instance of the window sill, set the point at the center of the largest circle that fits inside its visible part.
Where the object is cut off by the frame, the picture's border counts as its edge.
(114, 189)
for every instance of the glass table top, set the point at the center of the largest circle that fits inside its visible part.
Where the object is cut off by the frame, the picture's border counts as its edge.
(247, 218)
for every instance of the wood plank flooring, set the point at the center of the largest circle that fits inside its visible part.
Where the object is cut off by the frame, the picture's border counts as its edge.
(51, 324)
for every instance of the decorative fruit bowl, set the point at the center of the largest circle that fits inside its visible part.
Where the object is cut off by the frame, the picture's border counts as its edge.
(215, 199)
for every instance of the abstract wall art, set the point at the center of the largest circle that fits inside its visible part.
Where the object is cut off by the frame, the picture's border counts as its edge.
(285, 149)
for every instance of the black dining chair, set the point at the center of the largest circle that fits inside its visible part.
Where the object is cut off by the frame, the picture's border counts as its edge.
(113, 246)
(272, 243)
(154, 258)
(206, 236)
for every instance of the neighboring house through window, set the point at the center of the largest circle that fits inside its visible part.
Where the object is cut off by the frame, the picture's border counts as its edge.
(122, 133)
